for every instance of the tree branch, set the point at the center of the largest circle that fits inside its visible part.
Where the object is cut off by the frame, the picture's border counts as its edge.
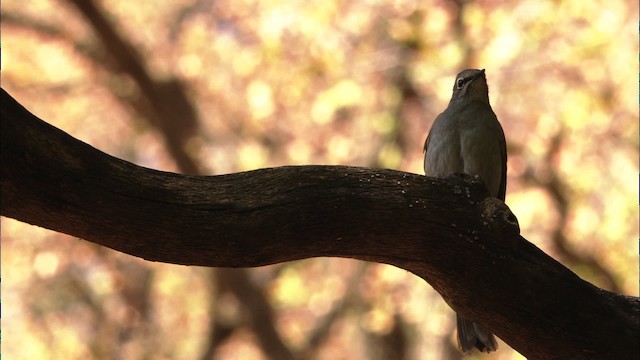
(447, 231)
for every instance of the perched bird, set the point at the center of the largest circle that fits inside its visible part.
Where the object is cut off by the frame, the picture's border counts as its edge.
(467, 138)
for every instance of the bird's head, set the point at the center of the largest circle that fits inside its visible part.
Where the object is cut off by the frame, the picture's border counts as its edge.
(470, 85)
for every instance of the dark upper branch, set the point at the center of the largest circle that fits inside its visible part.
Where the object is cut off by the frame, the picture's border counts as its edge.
(171, 109)
(466, 245)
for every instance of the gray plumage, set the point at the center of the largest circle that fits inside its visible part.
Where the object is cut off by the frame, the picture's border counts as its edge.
(467, 138)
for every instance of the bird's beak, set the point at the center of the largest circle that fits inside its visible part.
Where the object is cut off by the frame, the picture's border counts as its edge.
(478, 75)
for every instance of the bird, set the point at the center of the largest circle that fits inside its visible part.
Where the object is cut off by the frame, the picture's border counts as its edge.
(468, 138)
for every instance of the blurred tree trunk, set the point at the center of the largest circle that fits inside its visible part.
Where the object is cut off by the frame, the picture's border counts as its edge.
(447, 231)
(167, 108)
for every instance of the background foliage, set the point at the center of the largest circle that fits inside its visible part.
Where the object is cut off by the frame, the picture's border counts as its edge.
(213, 87)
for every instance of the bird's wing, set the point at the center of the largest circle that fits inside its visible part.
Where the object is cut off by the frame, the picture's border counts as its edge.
(426, 144)
(426, 141)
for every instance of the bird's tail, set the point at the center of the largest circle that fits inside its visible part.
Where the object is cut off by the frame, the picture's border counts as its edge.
(472, 335)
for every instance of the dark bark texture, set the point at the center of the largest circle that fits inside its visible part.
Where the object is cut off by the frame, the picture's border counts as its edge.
(449, 232)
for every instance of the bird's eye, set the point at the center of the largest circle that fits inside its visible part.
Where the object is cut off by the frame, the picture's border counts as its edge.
(459, 83)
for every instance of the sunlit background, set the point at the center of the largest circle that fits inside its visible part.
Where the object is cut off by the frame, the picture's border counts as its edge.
(212, 87)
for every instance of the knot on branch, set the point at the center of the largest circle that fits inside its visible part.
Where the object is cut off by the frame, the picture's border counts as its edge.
(500, 218)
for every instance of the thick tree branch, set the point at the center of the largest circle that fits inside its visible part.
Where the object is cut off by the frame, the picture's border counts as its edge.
(447, 231)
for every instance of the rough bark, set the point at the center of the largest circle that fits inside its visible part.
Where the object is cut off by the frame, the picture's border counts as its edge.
(447, 231)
